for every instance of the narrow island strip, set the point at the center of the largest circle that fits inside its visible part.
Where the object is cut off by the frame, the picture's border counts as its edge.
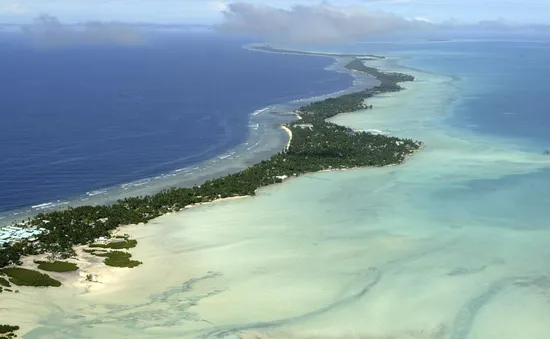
(314, 145)
(267, 48)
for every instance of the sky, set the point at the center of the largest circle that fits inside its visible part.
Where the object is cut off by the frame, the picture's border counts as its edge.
(208, 12)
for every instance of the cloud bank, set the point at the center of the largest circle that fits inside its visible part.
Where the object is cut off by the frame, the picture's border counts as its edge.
(322, 23)
(48, 31)
(325, 24)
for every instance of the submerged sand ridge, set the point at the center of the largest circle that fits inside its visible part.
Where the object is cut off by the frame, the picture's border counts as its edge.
(452, 244)
(337, 286)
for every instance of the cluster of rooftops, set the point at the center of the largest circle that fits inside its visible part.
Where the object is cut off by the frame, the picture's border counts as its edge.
(11, 234)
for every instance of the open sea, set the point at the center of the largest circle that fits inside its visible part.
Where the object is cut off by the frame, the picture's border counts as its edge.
(452, 244)
(76, 120)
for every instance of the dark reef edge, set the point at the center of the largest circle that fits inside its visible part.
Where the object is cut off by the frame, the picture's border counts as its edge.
(316, 145)
(262, 142)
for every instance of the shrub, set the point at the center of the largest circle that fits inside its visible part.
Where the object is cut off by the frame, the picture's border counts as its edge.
(56, 266)
(25, 277)
(117, 245)
(119, 259)
(6, 331)
(4, 282)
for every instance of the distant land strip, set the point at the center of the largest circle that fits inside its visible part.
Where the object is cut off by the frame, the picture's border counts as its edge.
(267, 48)
(316, 145)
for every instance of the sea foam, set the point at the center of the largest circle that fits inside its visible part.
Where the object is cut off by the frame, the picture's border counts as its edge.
(451, 244)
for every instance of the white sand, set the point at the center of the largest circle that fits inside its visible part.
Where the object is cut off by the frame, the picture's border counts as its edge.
(453, 244)
(289, 132)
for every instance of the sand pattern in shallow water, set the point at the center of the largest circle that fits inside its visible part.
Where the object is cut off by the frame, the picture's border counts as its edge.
(451, 245)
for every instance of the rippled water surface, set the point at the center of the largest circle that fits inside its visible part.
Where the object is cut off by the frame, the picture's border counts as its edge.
(453, 244)
(78, 122)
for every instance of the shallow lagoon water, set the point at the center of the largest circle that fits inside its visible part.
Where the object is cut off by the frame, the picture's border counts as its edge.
(451, 244)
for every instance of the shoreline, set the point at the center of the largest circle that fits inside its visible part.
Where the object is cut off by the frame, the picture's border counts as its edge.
(313, 259)
(289, 132)
(104, 278)
(298, 113)
(217, 166)
(268, 49)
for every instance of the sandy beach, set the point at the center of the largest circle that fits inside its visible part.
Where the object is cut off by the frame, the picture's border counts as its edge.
(449, 245)
(104, 278)
(289, 132)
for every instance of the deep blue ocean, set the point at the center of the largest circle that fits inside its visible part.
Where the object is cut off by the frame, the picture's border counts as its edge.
(77, 119)
(463, 224)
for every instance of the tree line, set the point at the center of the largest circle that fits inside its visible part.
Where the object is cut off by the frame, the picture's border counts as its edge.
(319, 146)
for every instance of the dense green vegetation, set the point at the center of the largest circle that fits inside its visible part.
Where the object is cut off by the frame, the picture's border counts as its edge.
(4, 282)
(25, 277)
(114, 258)
(92, 251)
(118, 259)
(316, 145)
(389, 79)
(117, 245)
(12, 254)
(321, 110)
(8, 331)
(56, 266)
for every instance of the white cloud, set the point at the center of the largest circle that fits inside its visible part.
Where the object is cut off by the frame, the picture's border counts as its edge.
(423, 19)
(13, 9)
(48, 31)
(320, 23)
(218, 6)
(209, 11)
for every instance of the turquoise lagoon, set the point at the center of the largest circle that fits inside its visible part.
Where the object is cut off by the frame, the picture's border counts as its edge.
(452, 244)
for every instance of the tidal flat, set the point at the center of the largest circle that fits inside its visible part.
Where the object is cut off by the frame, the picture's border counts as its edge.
(451, 244)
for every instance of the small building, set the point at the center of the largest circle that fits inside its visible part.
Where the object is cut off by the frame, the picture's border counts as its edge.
(101, 240)
(304, 126)
(14, 233)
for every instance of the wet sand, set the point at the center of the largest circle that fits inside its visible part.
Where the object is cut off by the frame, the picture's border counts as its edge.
(452, 244)
(289, 132)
